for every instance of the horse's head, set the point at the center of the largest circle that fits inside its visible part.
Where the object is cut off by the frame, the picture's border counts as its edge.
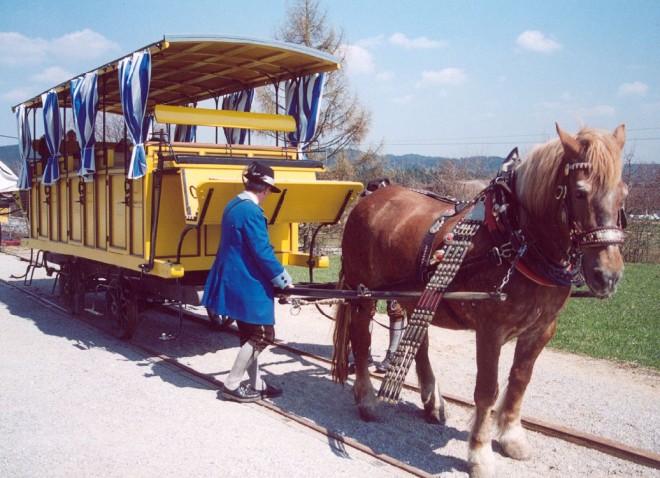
(591, 191)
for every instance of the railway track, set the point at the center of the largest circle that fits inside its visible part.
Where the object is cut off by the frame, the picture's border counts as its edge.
(619, 450)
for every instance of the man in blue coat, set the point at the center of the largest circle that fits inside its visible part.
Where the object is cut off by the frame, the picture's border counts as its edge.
(242, 280)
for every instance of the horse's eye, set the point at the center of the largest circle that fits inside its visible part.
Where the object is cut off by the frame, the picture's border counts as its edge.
(580, 194)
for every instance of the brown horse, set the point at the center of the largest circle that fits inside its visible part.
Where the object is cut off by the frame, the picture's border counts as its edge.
(550, 222)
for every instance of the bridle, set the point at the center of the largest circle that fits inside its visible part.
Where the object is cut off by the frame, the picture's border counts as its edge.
(597, 236)
(537, 265)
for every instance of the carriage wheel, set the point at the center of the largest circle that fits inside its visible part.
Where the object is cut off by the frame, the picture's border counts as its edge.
(121, 307)
(219, 322)
(78, 288)
(65, 286)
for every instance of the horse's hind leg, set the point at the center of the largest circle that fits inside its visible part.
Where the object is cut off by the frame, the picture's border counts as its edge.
(360, 336)
(512, 436)
(434, 405)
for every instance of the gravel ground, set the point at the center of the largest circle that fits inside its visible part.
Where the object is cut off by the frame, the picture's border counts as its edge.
(75, 401)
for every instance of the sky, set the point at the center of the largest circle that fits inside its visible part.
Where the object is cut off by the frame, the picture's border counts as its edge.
(441, 78)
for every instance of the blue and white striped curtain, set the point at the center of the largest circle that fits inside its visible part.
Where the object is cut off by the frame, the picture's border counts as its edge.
(85, 99)
(239, 101)
(303, 102)
(134, 80)
(185, 133)
(24, 147)
(54, 132)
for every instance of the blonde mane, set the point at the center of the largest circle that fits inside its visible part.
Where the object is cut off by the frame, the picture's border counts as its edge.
(535, 176)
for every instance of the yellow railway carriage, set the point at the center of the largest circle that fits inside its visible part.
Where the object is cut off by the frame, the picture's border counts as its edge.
(153, 235)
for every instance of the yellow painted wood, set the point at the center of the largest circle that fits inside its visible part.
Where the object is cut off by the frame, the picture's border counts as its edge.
(300, 201)
(223, 118)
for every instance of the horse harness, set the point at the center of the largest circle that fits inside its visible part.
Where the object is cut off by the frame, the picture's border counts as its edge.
(449, 258)
(495, 207)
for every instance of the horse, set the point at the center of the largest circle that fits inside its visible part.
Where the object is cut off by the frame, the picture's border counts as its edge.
(552, 221)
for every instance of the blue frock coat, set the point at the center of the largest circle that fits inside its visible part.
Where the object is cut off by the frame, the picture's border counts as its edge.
(241, 282)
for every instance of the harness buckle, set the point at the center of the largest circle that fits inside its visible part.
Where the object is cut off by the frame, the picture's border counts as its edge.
(505, 251)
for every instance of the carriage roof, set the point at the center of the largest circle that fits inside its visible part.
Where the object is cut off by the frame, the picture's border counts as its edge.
(189, 69)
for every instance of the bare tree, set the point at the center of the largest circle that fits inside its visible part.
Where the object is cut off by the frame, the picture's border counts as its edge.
(343, 120)
(643, 233)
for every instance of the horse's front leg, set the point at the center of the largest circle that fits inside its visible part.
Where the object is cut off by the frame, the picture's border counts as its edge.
(481, 461)
(512, 435)
(434, 405)
(360, 336)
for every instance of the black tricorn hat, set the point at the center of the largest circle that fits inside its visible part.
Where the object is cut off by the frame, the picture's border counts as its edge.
(262, 174)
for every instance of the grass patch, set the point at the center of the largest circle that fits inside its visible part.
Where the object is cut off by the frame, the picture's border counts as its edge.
(624, 328)
(327, 274)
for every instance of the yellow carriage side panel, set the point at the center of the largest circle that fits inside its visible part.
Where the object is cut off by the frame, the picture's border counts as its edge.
(74, 218)
(310, 201)
(100, 212)
(136, 219)
(171, 222)
(116, 212)
(89, 218)
(300, 201)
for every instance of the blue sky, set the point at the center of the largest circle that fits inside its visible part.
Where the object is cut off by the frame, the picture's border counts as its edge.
(443, 78)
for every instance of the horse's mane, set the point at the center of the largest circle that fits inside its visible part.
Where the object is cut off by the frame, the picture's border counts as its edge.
(535, 175)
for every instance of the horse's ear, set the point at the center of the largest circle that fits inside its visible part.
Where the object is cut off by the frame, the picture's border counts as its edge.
(620, 135)
(570, 144)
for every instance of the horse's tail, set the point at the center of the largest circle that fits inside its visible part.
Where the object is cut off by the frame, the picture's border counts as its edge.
(341, 340)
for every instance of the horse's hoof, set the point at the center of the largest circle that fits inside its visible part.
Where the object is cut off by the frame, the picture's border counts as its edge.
(481, 471)
(435, 417)
(481, 462)
(514, 443)
(370, 414)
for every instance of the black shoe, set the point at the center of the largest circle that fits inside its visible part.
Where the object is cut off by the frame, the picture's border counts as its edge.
(386, 364)
(242, 394)
(271, 391)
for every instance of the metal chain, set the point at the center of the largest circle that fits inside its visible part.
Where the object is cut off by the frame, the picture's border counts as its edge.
(508, 274)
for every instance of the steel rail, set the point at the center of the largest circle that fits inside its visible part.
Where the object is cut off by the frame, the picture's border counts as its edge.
(603, 445)
(152, 354)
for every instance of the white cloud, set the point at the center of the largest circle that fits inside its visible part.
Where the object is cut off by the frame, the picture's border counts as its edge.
(18, 94)
(52, 75)
(359, 59)
(534, 40)
(17, 49)
(636, 88)
(415, 43)
(447, 76)
(83, 45)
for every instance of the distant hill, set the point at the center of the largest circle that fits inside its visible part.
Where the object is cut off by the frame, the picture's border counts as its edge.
(480, 166)
(484, 166)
